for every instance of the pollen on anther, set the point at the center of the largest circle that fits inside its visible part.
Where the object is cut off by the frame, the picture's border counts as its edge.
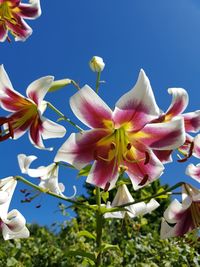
(129, 146)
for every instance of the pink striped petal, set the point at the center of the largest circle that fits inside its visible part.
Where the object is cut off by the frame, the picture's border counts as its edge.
(19, 28)
(162, 136)
(35, 133)
(90, 108)
(3, 32)
(163, 155)
(138, 106)
(179, 102)
(30, 11)
(192, 121)
(142, 174)
(103, 174)
(79, 149)
(193, 171)
(37, 90)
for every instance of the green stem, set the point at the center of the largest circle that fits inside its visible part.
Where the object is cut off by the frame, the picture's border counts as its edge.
(75, 84)
(98, 81)
(63, 116)
(99, 226)
(45, 191)
(144, 199)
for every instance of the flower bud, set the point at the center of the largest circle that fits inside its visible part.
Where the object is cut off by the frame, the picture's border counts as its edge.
(97, 64)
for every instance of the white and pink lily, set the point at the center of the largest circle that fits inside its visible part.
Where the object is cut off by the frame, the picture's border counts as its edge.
(48, 175)
(180, 218)
(122, 197)
(12, 15)
(27, 111)
(191, 124)
(12, 224)
(123, 137)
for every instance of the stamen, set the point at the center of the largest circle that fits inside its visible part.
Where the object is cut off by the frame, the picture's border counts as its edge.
(106, 186)
(112, 146)
(144, 180)
(129, 146)
(147, 158)
(189, 153)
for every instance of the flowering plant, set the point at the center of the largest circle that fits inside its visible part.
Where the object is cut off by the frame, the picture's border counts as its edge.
(123, 148)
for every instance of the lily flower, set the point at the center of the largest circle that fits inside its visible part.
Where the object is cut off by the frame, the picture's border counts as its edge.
(123, 137)
(180, 218)
(12, 224)
(12, 15)
(179, 103)
(122, 197)
(48, 175)
(27, 111)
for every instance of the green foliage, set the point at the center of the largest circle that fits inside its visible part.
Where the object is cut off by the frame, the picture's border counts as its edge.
(128, 242)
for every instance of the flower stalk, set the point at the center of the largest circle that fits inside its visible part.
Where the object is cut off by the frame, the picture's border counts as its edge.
(63, 117)
(99, 226)
(42, 190)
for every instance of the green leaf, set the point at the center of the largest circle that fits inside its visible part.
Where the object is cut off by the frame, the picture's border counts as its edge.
(87, 234)
(85, 171)
(56, 85)
(162, 196)
(106, 247)
(105, 195)
(82, 253)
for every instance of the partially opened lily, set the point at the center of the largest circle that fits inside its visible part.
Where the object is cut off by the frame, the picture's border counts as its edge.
(12, 15)
(122, 197)
(12, 224)
(180, 218)
(123, 137)
(191, 123)
(48, 175)
(27, 111)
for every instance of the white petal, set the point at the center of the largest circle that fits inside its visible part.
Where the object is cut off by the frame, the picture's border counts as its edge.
(7, 185)
(137, 209)
(52, 129)
(25, 162)
(152, 205)
(38, 89)
(166, 230)
(4, 79)
(122, 196)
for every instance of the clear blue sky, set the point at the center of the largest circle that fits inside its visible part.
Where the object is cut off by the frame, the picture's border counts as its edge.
(162, 37)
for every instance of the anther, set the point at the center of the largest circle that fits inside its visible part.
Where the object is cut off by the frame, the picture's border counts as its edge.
(112, 146)
(147, 158)
(144, 180)
(129, 146)
(189, 153)
(106, 187)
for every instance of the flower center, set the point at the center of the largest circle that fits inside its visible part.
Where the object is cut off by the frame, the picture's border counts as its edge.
(25, 116)
(6, 14)
(115, 146)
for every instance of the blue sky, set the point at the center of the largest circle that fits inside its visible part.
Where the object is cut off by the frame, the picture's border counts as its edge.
(162, 37)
